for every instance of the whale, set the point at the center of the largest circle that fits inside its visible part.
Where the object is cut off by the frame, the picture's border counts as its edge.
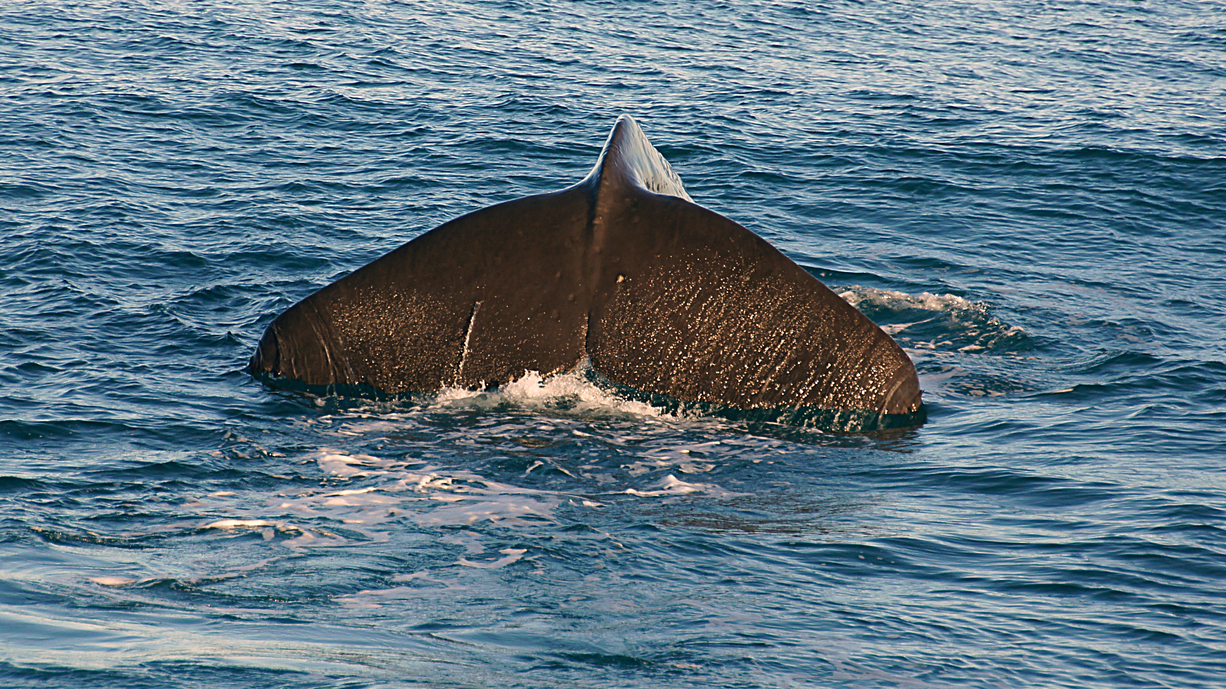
(622, 272)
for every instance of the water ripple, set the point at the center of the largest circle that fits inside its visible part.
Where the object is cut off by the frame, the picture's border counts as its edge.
(1028, 197)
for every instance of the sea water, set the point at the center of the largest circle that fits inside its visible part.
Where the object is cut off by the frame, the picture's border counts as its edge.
(1029, 196)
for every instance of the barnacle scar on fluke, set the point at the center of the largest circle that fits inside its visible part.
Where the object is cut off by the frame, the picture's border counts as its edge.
(660, 294)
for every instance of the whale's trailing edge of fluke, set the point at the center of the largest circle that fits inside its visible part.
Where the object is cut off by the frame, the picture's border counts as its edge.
(662, 295)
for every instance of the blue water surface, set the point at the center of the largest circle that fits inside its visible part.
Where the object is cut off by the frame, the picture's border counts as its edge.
(1030, 196)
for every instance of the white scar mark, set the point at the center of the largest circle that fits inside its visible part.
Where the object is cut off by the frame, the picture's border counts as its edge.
(468, 336)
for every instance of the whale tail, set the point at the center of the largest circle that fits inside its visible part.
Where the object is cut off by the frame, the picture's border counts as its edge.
(662, 295)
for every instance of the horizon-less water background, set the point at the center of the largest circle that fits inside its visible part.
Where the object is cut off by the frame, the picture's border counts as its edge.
(1030, 196)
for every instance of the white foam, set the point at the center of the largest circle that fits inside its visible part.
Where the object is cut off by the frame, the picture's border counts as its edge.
(968, 319)
(505, 509)
(437, 496)
(672, 486)
(570, 392)
(681, 458)
(427, 585)
(240, 524)
(891, 299)
(312, 539)
(510, 555)
(113, 581)
(349, 466)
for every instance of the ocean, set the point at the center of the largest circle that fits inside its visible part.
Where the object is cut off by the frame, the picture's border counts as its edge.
(1030, 197)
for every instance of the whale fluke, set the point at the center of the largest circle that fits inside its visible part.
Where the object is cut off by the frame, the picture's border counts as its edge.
(660, 294)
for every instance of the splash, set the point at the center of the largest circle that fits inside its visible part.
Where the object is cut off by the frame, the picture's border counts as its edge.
(924, 301)
(573, 392)
(938, 322)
